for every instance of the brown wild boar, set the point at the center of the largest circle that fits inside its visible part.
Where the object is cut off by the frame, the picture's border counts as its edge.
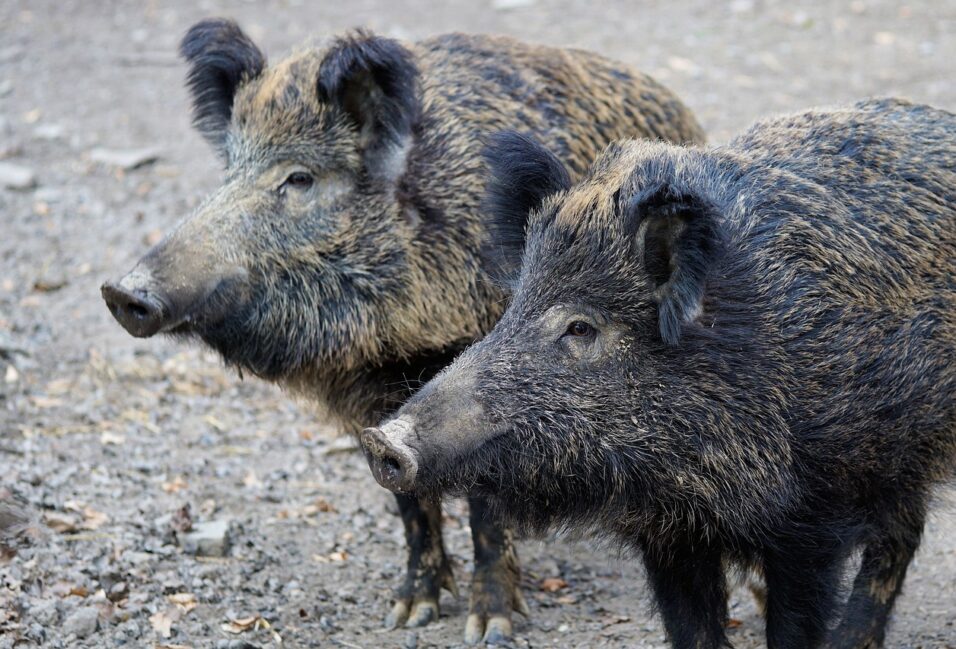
(340, 257)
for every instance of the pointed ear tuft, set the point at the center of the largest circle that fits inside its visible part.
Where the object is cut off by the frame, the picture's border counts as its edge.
(221, 57)
(521, 174)
(374, 80)
(678, 237)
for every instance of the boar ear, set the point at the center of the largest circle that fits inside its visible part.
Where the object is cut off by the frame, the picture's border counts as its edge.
(220, 57)
(375, 81)
(521, 174)
(678, 239)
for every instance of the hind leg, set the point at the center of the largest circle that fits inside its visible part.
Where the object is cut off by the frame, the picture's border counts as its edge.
(802, 588)
(495, 587)
(885, 560)
(429, 570)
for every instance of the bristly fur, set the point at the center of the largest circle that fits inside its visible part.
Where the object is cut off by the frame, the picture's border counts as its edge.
(521, 174)
(221, 57)
(804, 412)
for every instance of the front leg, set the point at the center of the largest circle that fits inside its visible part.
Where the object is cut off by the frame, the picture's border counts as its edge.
(802, 585)
(416, 600)
(495, 585)
(690, 589)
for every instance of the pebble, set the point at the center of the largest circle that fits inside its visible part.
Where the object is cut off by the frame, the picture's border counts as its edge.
(209, 539)
(126, 159)
(44, 613)
(504, 5)
(82, 622)
(411, 640)
(36, 633)
(14, 176)
(118, 591)
(49, 131)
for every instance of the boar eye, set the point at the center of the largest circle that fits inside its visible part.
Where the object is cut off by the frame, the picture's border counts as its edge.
(299, 180)
(580, 329)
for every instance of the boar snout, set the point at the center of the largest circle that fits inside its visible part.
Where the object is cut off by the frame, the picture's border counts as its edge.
(171, 287)
(135, 305)
(393, 463)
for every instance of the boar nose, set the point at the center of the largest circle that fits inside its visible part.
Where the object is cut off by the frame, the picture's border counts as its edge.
(393, 464)
(140, 313)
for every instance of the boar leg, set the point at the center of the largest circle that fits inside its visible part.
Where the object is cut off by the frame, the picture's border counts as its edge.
(495, 587)
(802, 588)
(885, 560)
(690, 589)
(429, 570)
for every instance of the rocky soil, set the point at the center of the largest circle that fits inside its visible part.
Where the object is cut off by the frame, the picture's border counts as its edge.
(148, 498)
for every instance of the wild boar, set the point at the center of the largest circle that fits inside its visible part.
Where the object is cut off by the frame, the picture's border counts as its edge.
(743, 355)
(340, 258)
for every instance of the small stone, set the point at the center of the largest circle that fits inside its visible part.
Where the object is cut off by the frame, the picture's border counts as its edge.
(82, 622)
(49, 131)
(209, 539)
(48, 195)
(411, 640)
(126, 159)
(16, 177)
(118, 591)
(44, 613)
(36, 633)
(504, 5)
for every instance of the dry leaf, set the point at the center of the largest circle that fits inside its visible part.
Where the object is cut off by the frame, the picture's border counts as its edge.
(62, 523)
(46, 402)
(320, 505)
(59, 387)
(254, 623)
(215, 423)
(331, 558)
(93, 519)
(112, 438)
(173, 646)
(553, 584)
(162, 621)
(182, 520)
(176, 485)
(185, 601)
(242, 624)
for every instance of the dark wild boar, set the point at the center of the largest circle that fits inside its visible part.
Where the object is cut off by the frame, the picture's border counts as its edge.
(340, 258)
(741, 355)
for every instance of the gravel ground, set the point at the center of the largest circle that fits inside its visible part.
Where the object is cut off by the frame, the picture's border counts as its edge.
(112, 447)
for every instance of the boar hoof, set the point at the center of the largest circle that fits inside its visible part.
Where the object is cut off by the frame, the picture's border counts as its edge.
(496, 631)
(397, 616)
(423, 612)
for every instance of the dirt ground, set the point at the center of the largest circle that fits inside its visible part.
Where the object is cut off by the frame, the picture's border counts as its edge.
(106, 439)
